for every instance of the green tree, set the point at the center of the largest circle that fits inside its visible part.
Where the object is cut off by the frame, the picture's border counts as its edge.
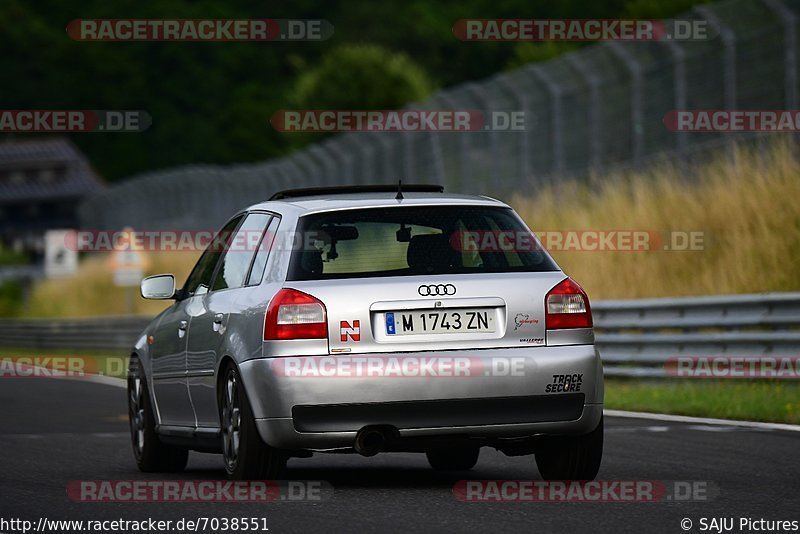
(361, 77)
(358, 77)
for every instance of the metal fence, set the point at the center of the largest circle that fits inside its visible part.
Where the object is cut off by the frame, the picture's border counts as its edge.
(596, 110)
(634, 337)
(638, 337)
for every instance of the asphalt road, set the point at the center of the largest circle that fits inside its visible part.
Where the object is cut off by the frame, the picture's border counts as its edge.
(53, 431)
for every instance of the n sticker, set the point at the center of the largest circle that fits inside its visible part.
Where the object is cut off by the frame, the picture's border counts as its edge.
(352, 332)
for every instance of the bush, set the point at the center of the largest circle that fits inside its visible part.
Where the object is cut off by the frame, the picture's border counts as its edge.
(361, 77)
(11, 296)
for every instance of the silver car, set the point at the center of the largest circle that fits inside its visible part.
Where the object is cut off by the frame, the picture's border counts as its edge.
(369, 319)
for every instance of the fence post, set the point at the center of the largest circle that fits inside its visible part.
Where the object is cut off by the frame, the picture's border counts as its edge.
(790, 53)
(347, 148)
(637, 99)
(368, 158)
(303, 161)
(480, 94)
(387, 145)
(679, 86)
(295, 177)
(318, 152)
(459, 183)
(522, 104)
(343, 170)
(593, 81)
(729, 64)
(405, 139)
(554, 90)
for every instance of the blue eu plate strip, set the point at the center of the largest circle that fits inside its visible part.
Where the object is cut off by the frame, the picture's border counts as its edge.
(390, 323)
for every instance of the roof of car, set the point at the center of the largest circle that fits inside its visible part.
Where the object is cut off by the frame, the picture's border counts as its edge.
(375, 200)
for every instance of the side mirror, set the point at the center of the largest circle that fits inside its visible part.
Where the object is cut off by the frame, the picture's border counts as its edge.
(158, 287)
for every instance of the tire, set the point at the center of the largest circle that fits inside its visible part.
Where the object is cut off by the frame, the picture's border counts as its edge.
(571, 457)
(245, 455)
(152, 456)
(453, 459)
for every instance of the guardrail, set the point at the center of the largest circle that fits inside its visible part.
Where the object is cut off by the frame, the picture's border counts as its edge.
(102, 333)
(634, 337)
(637, 337)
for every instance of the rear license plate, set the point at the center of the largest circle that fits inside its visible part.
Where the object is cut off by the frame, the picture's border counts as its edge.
(440, 321)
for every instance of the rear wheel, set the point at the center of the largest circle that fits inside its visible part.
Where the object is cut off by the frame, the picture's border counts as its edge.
(246, 456)
(453, 459)
(151, 455)
(571, 457)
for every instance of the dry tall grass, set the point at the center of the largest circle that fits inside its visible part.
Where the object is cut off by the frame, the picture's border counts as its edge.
(92, 291)
(748, 209)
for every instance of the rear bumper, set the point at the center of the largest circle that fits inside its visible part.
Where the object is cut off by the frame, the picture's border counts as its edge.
(301, 412)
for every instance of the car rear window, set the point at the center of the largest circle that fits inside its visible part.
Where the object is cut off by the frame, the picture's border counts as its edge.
(405, 241)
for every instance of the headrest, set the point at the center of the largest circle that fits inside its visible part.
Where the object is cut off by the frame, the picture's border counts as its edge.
(431, 252)
(311, 261)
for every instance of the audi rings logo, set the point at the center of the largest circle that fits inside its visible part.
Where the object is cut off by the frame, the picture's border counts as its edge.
(437, 290)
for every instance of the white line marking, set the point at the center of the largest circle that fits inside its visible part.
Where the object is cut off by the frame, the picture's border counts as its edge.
(101, 379)
(702, 420)
(634, 429)
(102, 435)
(97, 379)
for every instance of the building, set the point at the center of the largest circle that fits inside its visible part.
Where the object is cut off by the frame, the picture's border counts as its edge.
(42, 182)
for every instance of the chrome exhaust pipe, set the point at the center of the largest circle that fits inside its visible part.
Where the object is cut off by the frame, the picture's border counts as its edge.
(369, 441)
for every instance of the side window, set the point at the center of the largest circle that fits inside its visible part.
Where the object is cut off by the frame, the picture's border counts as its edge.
(233, 268)
(264, 247)
(200, 277)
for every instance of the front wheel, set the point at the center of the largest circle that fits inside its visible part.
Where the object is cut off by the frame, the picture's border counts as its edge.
(246, 456)
(571, 457)
(151, 455)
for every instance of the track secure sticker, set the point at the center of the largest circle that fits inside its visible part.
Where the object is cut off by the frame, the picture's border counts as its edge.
(564, 383)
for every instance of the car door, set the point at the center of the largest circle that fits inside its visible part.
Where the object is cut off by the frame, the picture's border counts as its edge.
(169, 369)
(208, 329)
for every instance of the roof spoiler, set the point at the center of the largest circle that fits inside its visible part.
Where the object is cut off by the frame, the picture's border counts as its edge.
(349, 189)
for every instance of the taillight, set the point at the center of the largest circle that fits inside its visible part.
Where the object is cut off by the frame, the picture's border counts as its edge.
(567, 306)
(292, 314)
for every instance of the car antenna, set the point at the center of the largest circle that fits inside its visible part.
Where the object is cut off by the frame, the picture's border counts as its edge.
(399, 195)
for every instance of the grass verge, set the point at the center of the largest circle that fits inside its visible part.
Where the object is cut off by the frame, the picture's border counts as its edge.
(775, 401)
